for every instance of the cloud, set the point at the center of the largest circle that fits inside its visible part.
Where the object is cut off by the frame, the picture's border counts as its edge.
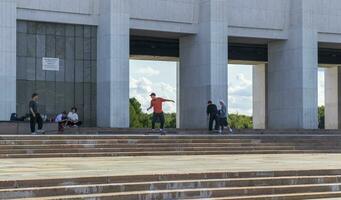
(147, 72)
(140, 88)
(241, 86)
(321, 87)
(169, 92)
(240, 95)
(241, 105)
(141, 85)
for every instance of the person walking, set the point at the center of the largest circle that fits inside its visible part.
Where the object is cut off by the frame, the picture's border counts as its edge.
(212, 112)
(35, 116)
(158, 115)
(222, 117)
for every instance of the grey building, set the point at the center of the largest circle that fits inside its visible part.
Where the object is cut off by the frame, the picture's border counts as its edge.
(286, 41)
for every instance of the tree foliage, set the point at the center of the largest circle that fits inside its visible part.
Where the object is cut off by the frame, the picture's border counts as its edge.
(321, 117)
(237, 121)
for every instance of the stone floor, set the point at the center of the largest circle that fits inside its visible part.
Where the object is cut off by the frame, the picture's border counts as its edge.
(44, 168)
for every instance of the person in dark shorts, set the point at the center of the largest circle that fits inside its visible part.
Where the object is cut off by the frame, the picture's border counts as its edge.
(212, 115)
(158, 115)
(35, 116)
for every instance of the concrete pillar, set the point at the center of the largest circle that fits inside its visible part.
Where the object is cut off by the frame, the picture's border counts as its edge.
(8, 17)
(178, 95)
(113, 64)
(203, 64)
(292, 72)
(259, 96)
(332, 100)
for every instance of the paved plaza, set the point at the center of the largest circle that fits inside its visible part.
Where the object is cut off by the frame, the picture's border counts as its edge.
(46, 168)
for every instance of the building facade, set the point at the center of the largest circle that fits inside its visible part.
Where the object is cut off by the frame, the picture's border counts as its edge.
(286, 40)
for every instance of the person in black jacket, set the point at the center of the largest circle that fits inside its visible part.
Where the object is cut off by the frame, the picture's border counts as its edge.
(35, 116)
(212, 115)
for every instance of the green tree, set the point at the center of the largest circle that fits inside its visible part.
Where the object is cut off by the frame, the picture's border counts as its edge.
(321, 117)
(240, 121)
(170, 120)
(135, 112)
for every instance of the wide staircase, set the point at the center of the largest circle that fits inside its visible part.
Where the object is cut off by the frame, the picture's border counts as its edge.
(138, 145)
(252, 185)
(283, 185)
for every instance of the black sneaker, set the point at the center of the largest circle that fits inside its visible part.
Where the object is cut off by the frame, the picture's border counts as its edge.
(162, 132)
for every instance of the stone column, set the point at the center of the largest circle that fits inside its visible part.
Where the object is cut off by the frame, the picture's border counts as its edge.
(332, 100)
(259, 96)
(292, 72)
(178, 95)
(203, 64)
(113, 64)
(8, 17)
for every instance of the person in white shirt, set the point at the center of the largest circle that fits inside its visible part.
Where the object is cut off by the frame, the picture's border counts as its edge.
(73, 119)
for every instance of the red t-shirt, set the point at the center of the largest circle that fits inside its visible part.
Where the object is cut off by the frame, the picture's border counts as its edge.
(157, 104)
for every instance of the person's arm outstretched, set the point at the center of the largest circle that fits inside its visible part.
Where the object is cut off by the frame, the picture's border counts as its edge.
(168, 100)
(150, 107)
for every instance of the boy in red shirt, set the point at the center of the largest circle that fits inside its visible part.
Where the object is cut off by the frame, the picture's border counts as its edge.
(156, 104)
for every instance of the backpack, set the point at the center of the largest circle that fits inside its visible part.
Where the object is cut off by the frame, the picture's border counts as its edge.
(14, 117)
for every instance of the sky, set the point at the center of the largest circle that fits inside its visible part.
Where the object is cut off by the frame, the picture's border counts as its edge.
(153, 76)
(160, 77)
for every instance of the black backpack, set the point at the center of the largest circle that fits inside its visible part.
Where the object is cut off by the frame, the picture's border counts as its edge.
(14, 117)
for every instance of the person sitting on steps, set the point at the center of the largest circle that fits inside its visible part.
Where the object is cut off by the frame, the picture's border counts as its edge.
(61, 119)
(73, 119)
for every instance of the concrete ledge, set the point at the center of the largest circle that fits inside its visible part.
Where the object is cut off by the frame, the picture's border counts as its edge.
(132, 131)
(8, 128)
(23, 127)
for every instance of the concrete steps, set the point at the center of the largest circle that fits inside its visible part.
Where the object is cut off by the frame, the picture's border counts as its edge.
(311, 184)
(44, 146)
(252, 185)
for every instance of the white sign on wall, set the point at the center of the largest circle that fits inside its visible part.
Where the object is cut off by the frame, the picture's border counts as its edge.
(51, 64)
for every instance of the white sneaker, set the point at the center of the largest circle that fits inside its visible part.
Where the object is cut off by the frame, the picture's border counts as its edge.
(230, 129)
(40, 131)
(220, 131)
(34, 133)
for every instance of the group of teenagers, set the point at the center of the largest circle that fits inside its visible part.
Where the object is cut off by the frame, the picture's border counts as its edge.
(63, 119)
(214, 115)
(71, 119)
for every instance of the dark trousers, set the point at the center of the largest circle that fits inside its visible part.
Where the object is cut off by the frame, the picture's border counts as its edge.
(34, 120)
(213, 118)
(158, 117)
(69, 123)
(61, 125)
(223, 123)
